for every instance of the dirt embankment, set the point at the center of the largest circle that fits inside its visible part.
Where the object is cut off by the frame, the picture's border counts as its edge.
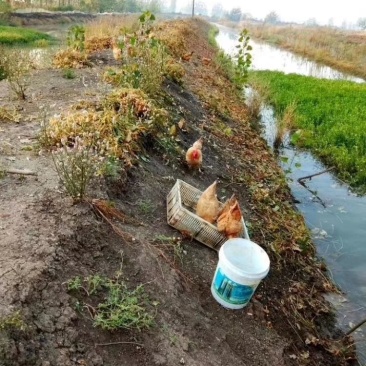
(46, 18)
(45, 240)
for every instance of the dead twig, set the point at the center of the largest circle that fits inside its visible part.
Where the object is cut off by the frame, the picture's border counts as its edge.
(115, 343)
(355, 327)
(125, 236)
(111, 211)
(315, 174)
(313, 193)
(20, 171)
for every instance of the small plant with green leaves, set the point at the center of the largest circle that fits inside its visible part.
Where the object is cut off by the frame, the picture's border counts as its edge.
(74, 284)
(120, 306)
(146, 206)
(144, 57)
(243, 59)
(68, 73)
(42, 43)
(172, 245)
(285, 124)
(226, 63)
(13, 321)
(112, 168)
(76, 38)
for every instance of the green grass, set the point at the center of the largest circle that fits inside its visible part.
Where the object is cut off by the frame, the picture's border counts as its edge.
(114, 305)
(331, 116)
(16, 35)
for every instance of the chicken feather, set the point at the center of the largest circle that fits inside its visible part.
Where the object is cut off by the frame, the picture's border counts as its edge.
(208, 204)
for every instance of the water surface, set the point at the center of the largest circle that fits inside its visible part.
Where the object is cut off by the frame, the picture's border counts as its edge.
(335, 216)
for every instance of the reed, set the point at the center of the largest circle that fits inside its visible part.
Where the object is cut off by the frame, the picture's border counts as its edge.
(341, 49)
(110, 26)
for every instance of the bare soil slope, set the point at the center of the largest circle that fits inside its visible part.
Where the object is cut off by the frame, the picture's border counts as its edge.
(45, 240)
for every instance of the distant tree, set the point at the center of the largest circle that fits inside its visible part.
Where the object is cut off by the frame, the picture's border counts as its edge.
(272, 18)
(187, 7)
(246, 16)
(361, 22)
(217, 11)
(154, 6)
(4, 6)
(235, 14)
(311, 22)
(200, 8)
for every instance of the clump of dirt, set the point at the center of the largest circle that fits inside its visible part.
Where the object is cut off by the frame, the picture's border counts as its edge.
(46, 240)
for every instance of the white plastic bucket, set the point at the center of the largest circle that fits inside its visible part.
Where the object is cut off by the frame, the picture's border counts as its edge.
(241, 267)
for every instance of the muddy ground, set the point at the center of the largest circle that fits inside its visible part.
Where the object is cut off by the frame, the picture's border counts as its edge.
(45, 240)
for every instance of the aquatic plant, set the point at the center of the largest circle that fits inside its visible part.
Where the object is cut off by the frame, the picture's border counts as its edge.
(329, 118)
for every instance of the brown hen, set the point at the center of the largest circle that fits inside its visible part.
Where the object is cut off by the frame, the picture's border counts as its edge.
(194, 155)
(230, 220)
(208, 204)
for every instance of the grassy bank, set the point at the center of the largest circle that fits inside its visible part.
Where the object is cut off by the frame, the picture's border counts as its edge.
(16, 35)
(343, 50)
(331, 115)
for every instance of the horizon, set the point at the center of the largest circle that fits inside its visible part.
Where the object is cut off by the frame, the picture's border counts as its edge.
(325, 12)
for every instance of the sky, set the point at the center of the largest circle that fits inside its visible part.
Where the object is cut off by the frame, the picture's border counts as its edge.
(298, 11)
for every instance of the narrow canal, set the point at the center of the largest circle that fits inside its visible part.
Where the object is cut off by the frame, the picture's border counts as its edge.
(335, 216)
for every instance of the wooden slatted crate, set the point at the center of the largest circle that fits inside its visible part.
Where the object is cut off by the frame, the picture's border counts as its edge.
(181, 205)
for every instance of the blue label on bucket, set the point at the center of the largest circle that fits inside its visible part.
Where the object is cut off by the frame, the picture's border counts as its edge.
(232, 292)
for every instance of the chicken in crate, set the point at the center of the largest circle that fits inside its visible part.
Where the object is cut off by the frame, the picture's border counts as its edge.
(181, 207)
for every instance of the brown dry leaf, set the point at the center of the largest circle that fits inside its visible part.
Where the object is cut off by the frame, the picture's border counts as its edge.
(182, 124)
(173, 130)
(129, 136)
(296, 248)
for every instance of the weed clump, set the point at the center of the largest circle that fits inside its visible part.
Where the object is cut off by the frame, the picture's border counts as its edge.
(70, 59)
(15, 66)
(74, 56)
(12, 322)
(90, 141)
(68, 74)
(9, 114)
(120, 307)
(76, 166)
(98, 43)
(144, 58)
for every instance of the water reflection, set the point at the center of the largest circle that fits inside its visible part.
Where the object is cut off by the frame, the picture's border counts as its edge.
(267, 57)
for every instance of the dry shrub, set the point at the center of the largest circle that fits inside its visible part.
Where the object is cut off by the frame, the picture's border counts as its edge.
(174, 71)
(171, 35)
(109, 26)
(9, 114)
(70, 59)
(114, 129)
(98, 44)
(132, 101)
(15, 66)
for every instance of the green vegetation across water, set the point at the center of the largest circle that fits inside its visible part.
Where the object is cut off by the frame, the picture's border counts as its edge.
(15, 35)
(331, 116)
